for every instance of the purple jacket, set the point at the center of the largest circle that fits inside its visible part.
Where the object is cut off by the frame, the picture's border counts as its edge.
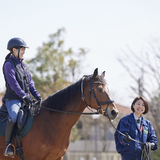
(10, 76)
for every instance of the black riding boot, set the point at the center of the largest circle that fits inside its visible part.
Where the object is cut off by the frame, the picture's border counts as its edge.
(8, 137)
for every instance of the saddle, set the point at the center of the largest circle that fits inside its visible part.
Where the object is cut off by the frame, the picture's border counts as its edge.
(24, 124)
(24, 121)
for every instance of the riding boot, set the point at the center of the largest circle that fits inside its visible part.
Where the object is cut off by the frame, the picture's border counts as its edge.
(8, 137)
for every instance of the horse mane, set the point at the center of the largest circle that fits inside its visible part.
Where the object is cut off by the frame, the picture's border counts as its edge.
(62, 97)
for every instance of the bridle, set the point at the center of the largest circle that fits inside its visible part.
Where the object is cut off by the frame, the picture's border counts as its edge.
(94, 95)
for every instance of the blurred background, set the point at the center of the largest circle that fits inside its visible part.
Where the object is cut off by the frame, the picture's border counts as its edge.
(69, 39)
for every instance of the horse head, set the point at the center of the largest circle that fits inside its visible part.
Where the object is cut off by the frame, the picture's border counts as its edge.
(99, 97)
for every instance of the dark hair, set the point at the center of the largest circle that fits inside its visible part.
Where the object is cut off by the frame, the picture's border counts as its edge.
(8, 55)
(145, 104)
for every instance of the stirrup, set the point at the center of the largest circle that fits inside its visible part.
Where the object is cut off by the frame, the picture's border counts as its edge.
(5, 152)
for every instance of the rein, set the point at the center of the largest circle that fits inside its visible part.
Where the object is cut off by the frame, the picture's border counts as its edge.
(68, 112)
(121, 132)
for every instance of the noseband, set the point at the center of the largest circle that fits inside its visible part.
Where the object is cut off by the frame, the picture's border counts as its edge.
(94, 95)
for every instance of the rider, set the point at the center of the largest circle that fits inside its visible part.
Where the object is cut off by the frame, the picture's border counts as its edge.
(19, 85)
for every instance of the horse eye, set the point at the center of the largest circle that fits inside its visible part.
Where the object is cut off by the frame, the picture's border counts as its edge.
(99, 89)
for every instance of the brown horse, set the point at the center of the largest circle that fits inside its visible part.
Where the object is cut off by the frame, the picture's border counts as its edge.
(49, 137)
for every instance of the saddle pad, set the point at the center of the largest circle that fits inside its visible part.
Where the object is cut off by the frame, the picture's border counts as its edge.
(25, 129)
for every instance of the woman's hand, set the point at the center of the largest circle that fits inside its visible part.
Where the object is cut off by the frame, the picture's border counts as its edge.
(127, 138)
(27, 100)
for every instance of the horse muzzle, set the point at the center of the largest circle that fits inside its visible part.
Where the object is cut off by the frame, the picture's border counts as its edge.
(111, 115)
(114, 113)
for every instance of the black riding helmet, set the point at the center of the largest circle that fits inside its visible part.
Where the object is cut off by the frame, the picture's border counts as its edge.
(16, 43)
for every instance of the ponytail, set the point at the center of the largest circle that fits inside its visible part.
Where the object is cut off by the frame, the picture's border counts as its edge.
(8, 55)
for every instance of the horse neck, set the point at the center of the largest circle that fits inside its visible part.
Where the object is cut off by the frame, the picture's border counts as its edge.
(64, 119)
(75, 108)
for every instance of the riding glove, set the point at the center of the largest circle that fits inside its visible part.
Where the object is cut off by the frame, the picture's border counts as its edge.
(127, 138)
(39, 98)
(27, 100)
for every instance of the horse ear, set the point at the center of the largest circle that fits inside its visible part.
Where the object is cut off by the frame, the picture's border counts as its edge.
(95, 74)
(103, 74)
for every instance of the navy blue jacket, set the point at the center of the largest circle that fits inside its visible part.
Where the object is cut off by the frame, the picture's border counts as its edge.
(133, 150)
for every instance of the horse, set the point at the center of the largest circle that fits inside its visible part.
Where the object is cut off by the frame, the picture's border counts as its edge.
(49, 136)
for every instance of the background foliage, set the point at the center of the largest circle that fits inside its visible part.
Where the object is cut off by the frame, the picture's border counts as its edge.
(54, 68)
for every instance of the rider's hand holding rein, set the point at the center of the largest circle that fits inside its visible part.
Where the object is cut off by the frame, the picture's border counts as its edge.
(27, 100)
(39, 98)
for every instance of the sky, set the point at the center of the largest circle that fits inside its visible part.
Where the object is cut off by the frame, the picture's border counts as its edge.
(103, 27)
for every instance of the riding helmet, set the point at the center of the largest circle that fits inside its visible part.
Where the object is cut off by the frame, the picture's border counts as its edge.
(16, 43)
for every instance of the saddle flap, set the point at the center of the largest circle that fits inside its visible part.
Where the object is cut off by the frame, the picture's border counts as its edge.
(3, 111)
(21, 119)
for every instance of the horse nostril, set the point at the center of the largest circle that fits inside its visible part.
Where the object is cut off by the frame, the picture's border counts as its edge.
(114, 113)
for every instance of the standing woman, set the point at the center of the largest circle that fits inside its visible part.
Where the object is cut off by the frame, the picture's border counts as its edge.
(19, 85)
(137, 127)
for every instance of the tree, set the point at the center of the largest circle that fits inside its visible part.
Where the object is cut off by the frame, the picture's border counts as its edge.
(53, 67)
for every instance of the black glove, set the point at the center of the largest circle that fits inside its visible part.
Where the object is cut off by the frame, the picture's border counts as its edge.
(27, 100)
(127, 138)
(39, 98)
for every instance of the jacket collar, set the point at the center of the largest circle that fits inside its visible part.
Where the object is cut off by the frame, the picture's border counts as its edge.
(132, 120)
(16, 59)
(144, 121)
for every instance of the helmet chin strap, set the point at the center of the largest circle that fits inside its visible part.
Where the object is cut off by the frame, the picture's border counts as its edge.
(18, 52)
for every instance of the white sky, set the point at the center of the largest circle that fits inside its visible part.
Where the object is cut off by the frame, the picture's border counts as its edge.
(102, 26)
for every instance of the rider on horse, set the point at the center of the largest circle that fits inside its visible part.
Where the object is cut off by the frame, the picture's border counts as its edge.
(19, 85)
